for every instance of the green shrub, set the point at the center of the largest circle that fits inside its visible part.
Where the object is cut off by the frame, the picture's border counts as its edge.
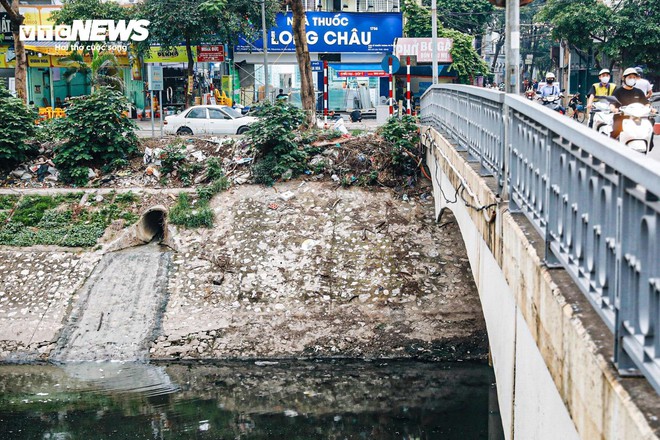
(184, 214)
(206, 193)
(31, 209)
(16, 126)
(403, 135)
(7, 201)
(274, 137)
(126, 198)
(262, 171)
(214, 169)
(48, 130)
(173, 154)
(96, 133)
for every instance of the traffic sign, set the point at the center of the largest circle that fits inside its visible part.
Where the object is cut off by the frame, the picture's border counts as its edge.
(385, 63)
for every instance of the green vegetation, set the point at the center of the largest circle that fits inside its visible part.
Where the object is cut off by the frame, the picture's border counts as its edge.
(274, 137)
(95, 133)
(60, 220)
(466, 61)
(403, 135)
(16, 127)
(185, 213)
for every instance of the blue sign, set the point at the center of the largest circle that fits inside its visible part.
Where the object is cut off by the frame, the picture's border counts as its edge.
(385, 63)
(333, 32)
(317, 66)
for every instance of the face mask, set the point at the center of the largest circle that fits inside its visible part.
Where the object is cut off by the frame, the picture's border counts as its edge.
(549, 81)
(605, 80)
(630, 82)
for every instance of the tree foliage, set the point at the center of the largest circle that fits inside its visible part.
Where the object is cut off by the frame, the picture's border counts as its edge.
(95, 133)
(628, 32)
(467, 16)
(17, 126)
(89, 10)
(466, 61)
(103, 70)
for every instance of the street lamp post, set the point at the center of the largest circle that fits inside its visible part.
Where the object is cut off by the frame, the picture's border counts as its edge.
(512, 76)
(434, 40)
(265, 39)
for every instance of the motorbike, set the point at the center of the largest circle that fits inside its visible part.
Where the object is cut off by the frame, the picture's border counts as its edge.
(637, 128)
(637, 125)
(553, 102)
(603, 117)
(530, 94)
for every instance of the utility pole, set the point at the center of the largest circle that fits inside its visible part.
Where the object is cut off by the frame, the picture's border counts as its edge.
(512, 76)
(434, 40)
(265, 39)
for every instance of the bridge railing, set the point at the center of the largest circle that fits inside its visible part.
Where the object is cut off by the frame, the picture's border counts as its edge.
(595, 202)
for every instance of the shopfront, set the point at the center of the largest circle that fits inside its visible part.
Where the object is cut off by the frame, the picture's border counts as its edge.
(353, 44)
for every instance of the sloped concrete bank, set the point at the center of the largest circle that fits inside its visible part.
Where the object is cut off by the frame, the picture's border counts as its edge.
(300, 270)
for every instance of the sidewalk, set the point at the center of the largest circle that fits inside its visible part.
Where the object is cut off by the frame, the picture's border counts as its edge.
(367, 124)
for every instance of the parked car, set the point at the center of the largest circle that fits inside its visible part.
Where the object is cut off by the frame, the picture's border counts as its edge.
(208, 119)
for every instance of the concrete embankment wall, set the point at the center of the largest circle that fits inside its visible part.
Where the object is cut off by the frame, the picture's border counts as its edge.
(551, 352)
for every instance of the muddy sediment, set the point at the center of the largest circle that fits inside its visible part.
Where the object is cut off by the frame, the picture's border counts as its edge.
(301, 270)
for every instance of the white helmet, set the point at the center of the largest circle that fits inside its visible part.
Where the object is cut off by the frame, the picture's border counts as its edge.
(630, 71)
(549, 75)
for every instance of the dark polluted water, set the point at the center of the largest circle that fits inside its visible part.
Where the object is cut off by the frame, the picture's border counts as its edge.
(249, 400)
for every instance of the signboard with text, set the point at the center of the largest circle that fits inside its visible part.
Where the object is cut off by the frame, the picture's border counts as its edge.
(175, 54)
(422, 48)
(5, 27)
(330, 32)
(210, 54)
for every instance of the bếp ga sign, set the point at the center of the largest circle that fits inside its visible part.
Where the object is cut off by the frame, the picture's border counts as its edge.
(333, 32)
(422, 48)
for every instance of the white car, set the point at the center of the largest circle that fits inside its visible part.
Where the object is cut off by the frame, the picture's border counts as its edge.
(208, 119)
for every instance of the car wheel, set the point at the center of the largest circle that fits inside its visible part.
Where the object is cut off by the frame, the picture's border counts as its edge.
(242, 130)
(184, 131)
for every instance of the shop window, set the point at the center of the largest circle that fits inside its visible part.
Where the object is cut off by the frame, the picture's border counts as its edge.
(197, 113)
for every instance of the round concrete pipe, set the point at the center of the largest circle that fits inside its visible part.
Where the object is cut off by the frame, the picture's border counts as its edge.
(152, 224)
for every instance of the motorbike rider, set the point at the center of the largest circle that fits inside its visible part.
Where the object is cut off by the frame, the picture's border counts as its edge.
(626, 94)
(550, 89)
(643, 84)
(602, 88)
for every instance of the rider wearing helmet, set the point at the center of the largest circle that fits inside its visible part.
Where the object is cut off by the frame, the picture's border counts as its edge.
(602, 88)
(643, 84)
(550, 89)
(626, 94)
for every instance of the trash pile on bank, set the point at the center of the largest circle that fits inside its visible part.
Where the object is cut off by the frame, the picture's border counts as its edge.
(364, 160)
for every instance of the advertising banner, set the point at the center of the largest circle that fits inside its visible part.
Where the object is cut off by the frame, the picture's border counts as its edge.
(210, 54)
(333, 32)
(173, 55)
(5, 27)
(422, 48)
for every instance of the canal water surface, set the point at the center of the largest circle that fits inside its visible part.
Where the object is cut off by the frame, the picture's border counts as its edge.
(249, 400)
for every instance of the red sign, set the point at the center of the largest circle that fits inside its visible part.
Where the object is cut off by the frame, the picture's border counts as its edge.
(210, 54)
(345, 73)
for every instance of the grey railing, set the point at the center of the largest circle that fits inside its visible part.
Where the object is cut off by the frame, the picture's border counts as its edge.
(595, 202)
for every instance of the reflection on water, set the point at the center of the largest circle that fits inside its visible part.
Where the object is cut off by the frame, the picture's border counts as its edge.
(249, 400)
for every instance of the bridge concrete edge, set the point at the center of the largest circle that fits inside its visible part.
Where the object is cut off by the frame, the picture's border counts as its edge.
(542, 308)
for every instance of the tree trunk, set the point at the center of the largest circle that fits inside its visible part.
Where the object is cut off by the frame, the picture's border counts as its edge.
(498, 48)
(20, 71)
(191, 66)
(307, 94)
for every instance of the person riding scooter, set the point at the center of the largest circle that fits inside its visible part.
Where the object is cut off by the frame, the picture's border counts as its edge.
(632, 102)
(550, 93)
(626, 94)
(602, 88)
